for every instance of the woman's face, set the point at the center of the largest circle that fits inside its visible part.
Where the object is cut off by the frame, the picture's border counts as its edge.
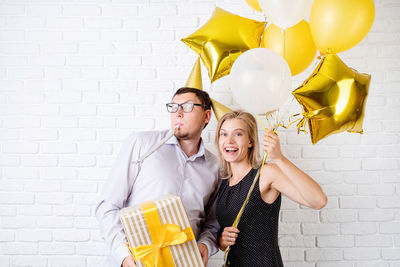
(234, 141)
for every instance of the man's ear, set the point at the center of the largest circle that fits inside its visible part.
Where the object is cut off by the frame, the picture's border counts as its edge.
(207, 116)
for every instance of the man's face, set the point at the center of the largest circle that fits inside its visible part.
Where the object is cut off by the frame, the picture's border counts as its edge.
(190, 123)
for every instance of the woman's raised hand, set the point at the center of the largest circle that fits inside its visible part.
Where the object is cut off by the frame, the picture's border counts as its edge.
(272, 146)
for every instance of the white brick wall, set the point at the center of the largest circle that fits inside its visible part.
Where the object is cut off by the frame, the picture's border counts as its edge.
(76, 77)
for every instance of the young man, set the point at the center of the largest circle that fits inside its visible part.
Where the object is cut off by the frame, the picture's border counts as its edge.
(182, 167)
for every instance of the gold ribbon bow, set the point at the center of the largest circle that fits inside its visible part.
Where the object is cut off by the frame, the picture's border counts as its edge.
(163, 236)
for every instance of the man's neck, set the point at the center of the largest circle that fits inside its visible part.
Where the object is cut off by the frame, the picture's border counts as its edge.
(190, 146)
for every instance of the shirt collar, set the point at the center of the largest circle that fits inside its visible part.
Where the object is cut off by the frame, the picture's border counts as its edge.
(200, 153)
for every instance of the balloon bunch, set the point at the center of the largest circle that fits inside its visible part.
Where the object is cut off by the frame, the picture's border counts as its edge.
(262, 57)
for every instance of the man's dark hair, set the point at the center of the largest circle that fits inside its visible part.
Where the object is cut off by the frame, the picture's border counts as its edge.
(201, 95)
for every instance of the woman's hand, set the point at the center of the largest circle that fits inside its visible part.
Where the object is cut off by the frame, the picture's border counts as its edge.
(272, 146)
(228, 237)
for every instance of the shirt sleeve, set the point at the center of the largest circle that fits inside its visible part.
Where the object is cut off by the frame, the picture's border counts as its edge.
(115, 193)
(210, 227)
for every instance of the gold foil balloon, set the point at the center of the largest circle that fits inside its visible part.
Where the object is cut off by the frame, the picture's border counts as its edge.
(337, 25)
(254, 4)
(222, 39)
(294, 44)
(194, 81)
(333, 98)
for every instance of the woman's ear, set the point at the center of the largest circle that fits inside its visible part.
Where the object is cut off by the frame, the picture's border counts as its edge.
(250, 144)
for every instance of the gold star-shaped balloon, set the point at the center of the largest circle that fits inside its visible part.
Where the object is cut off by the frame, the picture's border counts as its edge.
(222, 39)
(333, 98)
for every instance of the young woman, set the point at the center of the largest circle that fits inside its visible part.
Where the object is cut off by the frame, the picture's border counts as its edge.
(255, 240)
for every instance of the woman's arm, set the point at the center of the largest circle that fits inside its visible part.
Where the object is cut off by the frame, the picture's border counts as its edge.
(290, 180)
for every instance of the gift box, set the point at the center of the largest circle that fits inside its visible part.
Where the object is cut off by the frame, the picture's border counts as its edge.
(159, 234)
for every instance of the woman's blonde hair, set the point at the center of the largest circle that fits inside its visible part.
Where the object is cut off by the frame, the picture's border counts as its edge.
(251, 127)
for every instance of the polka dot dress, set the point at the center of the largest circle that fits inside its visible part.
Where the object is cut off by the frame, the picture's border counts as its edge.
(257, 242)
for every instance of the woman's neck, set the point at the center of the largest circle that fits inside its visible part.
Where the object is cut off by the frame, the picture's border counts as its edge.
(239, 171)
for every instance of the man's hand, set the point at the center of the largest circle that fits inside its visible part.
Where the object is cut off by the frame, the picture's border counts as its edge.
(228, 237)
(129, 262)
(203, 252)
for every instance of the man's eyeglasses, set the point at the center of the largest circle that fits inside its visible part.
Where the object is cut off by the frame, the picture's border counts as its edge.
(186, 107)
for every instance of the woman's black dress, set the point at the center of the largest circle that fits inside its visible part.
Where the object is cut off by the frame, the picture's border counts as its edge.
(257, 242)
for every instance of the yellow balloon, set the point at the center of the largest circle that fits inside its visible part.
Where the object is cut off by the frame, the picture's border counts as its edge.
(294, 44)
(223, 39)
(338, 25)
(254, 4)
(333, 98)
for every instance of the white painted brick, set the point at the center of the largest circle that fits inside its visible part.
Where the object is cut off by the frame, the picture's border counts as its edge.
(23, 22)
(60, 48)
(135, 123)
(21, 173)
(299, 216)
(64, 97)
(119, 36)
(358, 228)
(34, 260)
(84, 61)
(58, 148)
(356, 202)
(138, 98)
(133, 48)
(297, 241)
(72, 235)
(35, 210)
(115, 110)
(81, 10)
(392, 151)
(196, 8)
(26, 73)
(80, 85)
(6, 236)
(59, 122)
(25, 98)
(92, 173)
(90, 199)
(376, 190)
(13, 60)
(357, 152)
(309, 165)
(86, 223)
(77, 134)
(334, 216)
(123, 61)
(319, 229)
(324, 254)
(389, 227)
(364, 177)
(99, 73)
(379, 139)
(374, 241)
(101, 98)
(7, 9)
(56, 198)
(11, 185)
(361, 254)
(7, 210)
(46, 222)
(77, 161)
(64, 23)
(56, 60)
(119, 10)
(103, 23)
(91, 248)
(97, 122)
(43, 9)
(43, 85)
(391, 253)
(79, 186)
(63, 73)
(58, 173)
(38, 160)
(150, 23)
(41, 110)
(70, 260)
(94, 148)
(340, 189)
(380, 164)
(18, 248)
(389, 202)
(73, 210)
(82, 36)
(170, 61)
(137, 74)
(375, 215)
(18, 222)
(342, 241)
(9, 160)
(181, 22)
(342, 165)
(97, 260)
(13, 35)
(57, 248)
(334, 264)
(42, 186)
(33, 235)
(78, 110)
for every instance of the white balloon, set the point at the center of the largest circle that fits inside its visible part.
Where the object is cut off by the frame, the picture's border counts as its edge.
(260, 80)
(286, 13)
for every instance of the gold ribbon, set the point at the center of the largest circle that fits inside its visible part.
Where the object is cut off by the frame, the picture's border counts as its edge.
(163, 236)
